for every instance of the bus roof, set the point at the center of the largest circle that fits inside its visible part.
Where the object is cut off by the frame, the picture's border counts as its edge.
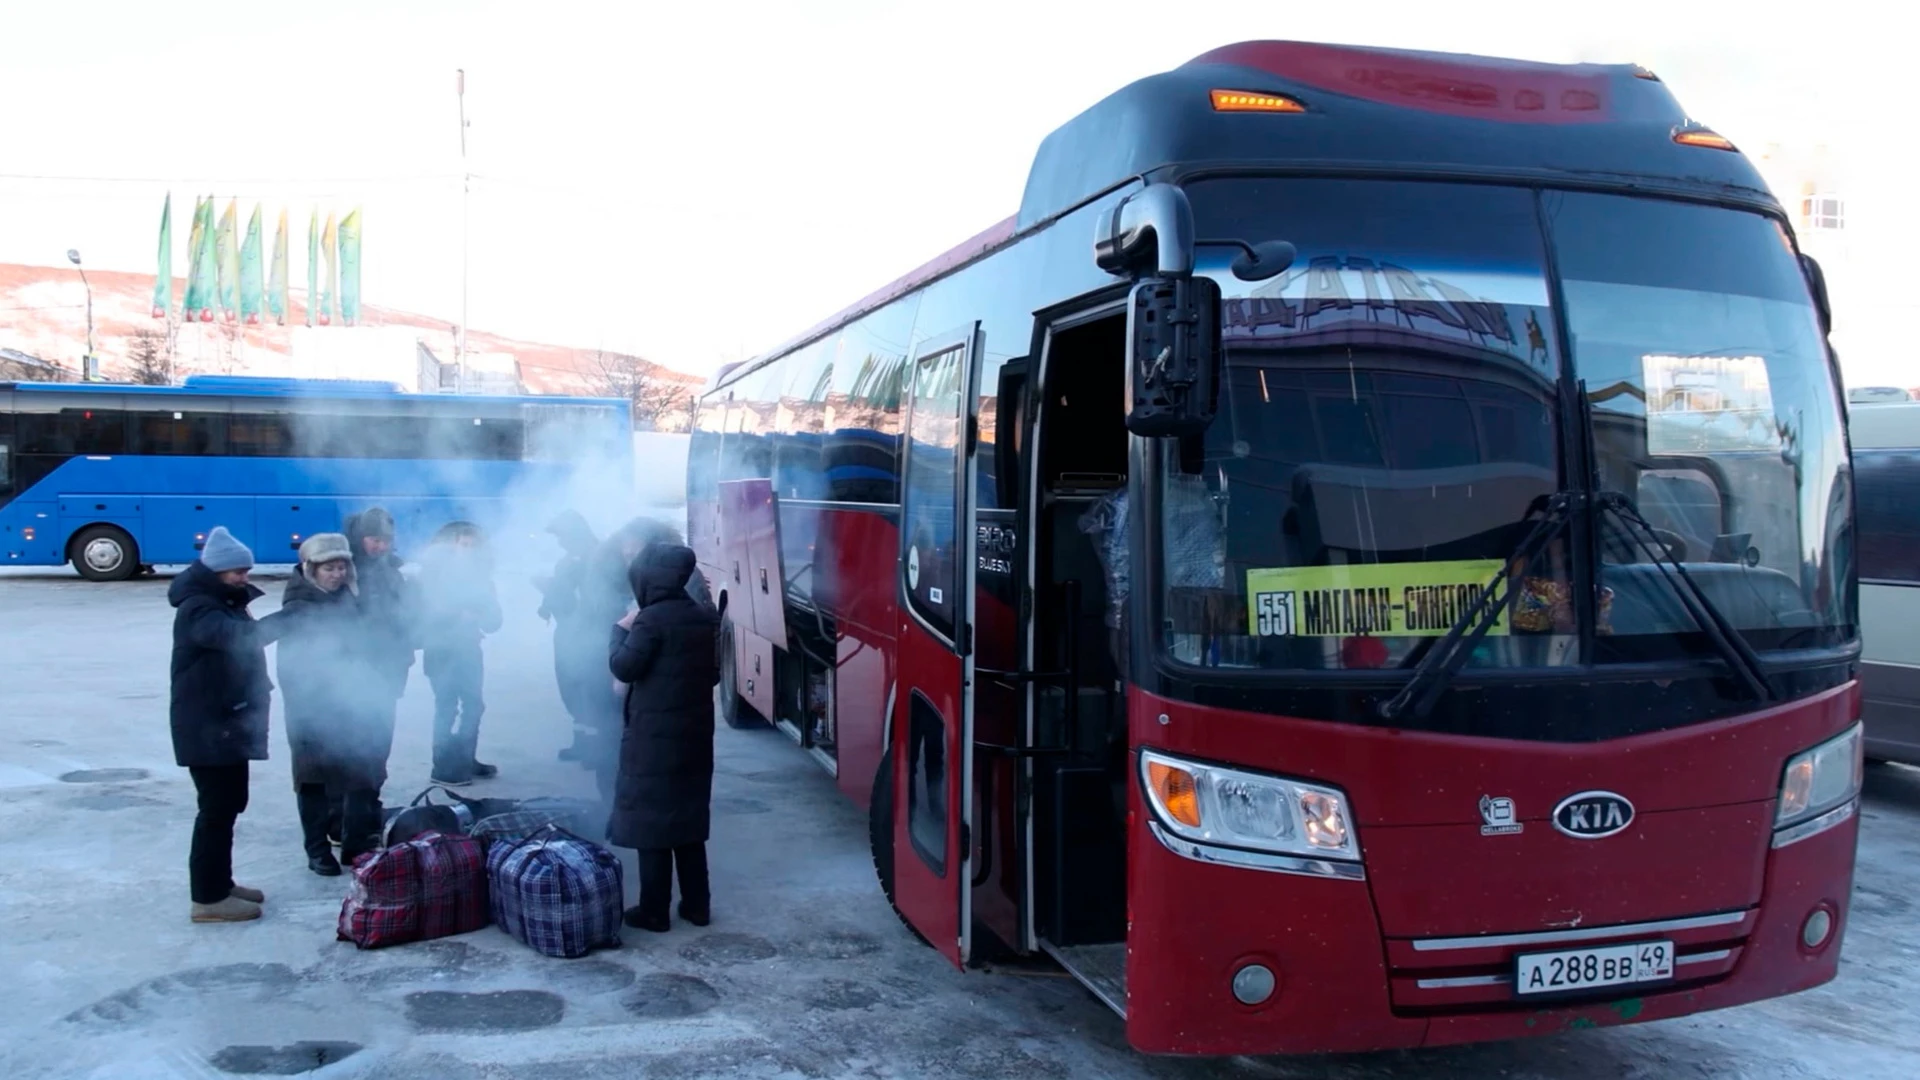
(264, 387)
(1364, 111)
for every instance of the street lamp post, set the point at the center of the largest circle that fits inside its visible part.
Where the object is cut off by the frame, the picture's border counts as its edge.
(86, 365)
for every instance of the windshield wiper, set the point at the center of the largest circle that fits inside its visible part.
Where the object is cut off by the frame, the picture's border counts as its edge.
(1726, 638)
(1447, 655)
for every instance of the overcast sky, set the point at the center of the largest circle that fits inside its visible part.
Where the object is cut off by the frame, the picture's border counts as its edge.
(698, 182)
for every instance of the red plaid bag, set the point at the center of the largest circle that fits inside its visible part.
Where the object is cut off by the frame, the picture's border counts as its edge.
(432, 886)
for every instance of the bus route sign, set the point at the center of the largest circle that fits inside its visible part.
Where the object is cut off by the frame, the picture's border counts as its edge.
(1380, 599)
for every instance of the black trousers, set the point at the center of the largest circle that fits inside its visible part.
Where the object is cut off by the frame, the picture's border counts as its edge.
(457, 676)
(657, 866)
(222, 791)
(351, 807)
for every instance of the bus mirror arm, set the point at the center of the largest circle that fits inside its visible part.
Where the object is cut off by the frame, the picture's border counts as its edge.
(1817, 286)
(1148, 231)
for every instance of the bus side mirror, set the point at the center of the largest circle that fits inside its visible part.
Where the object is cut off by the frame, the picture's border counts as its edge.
(1173, 374)
(1817, 285)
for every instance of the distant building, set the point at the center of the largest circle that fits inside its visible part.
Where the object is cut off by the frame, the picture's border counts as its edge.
(1850, 213)
(16, 366)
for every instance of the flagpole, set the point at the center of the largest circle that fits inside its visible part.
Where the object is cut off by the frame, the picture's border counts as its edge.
(466, 193)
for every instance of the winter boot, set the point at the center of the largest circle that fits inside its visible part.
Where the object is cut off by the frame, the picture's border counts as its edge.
(641, 920)
(251, 896)
(232, 909)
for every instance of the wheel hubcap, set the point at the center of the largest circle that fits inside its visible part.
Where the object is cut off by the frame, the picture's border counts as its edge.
(104, 555)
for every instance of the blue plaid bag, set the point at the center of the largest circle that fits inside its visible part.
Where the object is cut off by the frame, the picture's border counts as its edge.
(557, 893)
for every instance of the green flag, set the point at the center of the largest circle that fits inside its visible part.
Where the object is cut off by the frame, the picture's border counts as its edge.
(229, 262)
(252, 269)
(330, 273)
(163, 277)
(203, 288)
(190, 303)
(277, 279)
(350, 267)
(313, 264)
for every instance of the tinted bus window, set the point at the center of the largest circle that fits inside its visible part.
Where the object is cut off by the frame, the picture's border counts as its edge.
(862, 440)
(177, 432)
(746, 450)
(703, 448)
(73, 431)
(1886, 485)
(1386, 422)
(933, 455)
(1697, 339)
(259, 435)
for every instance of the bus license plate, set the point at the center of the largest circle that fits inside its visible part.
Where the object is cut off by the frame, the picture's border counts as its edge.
(1584, 969)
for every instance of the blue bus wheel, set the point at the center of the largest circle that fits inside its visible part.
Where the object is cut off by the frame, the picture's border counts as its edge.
(104, 553)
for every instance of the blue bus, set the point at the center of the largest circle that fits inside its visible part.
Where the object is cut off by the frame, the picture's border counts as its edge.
(116, 479)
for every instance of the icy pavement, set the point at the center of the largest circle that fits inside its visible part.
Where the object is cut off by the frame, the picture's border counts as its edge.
(805, 972)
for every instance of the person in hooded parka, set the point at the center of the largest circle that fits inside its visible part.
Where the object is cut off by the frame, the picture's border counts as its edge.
(667, 651)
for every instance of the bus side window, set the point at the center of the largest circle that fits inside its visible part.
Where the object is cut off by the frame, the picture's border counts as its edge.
(169, 432)
(1887, 488)
(259, 435)
(74, 431)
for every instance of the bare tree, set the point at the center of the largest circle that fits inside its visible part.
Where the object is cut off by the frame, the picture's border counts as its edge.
(149, 359)
(656, 400)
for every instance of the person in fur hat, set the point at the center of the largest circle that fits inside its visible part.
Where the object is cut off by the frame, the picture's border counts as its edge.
(328, 681)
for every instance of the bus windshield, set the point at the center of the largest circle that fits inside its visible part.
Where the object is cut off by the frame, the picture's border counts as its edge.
(1391, 425)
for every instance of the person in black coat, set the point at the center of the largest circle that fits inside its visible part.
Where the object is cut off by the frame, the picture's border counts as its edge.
(339, 714)
(668, 653)
(219, 709)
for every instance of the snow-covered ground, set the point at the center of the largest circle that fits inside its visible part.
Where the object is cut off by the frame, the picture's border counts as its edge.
(804, 973)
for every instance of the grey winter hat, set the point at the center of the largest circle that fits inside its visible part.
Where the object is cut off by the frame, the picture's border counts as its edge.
(325, 548)
(222, 552)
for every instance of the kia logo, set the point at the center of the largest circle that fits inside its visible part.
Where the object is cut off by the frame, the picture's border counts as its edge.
(1591, 815)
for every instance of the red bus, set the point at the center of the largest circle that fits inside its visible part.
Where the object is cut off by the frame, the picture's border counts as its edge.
(1361, 559)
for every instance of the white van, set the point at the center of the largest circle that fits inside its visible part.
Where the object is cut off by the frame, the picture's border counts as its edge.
(1886, 479)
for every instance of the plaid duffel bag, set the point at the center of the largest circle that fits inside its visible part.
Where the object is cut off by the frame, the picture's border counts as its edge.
(528, 816)
(432, 886)
(557, 893)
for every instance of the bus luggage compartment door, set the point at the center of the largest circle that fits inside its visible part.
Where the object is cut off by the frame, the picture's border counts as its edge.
(283, 523)
(177, 525)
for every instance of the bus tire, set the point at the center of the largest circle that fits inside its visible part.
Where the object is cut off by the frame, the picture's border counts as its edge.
(880, 836)
(104, 553)
(733, 708)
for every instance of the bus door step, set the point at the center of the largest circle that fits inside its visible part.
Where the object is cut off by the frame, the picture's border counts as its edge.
(1100, 968)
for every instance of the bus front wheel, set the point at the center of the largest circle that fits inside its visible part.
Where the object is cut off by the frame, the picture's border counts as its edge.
(104, 553)
(733, 708)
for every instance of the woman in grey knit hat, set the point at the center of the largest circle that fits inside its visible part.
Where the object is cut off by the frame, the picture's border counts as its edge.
(220, 702)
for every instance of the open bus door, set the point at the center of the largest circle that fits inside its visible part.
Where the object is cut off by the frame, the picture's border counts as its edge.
(932, 748)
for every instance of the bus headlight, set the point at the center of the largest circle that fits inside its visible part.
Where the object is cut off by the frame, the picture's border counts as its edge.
(1820, 781)
(1234, 808)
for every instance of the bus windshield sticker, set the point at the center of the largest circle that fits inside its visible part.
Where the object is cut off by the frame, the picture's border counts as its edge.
(1701, 404)
(1384, 599)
